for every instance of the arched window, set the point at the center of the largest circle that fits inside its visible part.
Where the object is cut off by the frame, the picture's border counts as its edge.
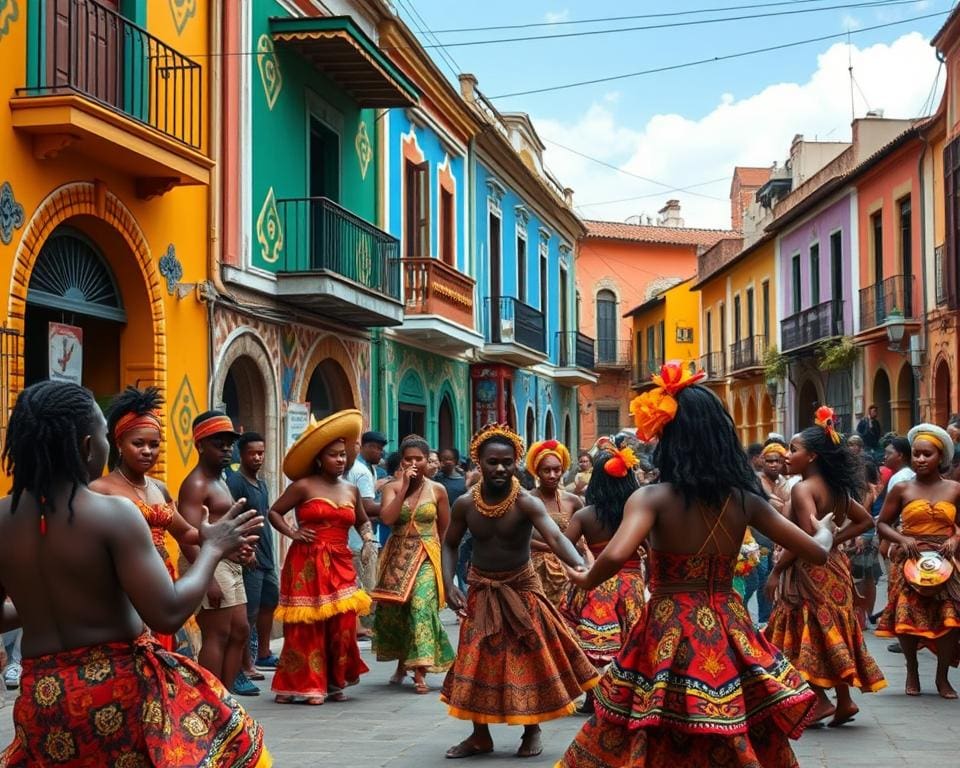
(606, 326)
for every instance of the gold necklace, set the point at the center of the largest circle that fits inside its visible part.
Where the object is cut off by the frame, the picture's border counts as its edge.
(500, 508)
(140, 490)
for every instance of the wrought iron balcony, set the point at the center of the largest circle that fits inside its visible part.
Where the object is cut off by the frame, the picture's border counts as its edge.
(646, 368)
(747, 353)
(824, 321)
(335, 263)
(516, 330)
(714, 365)
(613, 353)
(576, 350)
(877, 301)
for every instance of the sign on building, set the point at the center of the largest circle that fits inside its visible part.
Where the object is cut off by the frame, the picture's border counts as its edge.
(298, 417)
(66, 353)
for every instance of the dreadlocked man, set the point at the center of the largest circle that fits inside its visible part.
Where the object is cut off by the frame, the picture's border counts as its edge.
(517, 663)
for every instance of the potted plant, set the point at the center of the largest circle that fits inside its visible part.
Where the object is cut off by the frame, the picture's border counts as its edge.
(775, 367)
(837, 354)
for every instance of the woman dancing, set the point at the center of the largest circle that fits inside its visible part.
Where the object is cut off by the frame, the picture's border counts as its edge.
(694, 685)
(813, 621)
(927, 508)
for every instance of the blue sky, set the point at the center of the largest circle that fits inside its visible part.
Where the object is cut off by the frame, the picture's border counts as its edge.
(742, 111)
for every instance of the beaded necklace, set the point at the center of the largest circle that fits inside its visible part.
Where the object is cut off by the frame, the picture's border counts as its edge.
(500, 508)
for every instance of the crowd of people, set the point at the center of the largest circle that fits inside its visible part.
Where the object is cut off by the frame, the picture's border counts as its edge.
(620, 586)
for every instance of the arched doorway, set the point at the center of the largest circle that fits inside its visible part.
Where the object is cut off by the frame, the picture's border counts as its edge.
(568, 434)
(244, 395)
(808, 400)
(73, 285)
(531, 433)
(738, 418)
(446, 429)
(942, 394)
(411, 406)
(766, 417)
(750, 427)
(328, 390)
(548, 428)
(881, 399)
(908, 405)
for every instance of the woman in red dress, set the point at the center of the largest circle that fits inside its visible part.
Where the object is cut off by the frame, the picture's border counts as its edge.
(694, 685)
(133, 423)
(319, 596)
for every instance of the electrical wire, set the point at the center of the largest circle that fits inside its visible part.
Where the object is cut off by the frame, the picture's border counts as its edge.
(713, 59)
(448, 59)
(655, 194)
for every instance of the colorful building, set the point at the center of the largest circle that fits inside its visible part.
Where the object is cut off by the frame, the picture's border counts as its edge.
(105, 205)
(307, 273)
(665, 327)
(524, 237)
(619, 266)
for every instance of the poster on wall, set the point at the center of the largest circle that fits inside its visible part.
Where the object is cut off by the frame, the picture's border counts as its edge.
(298, 417)
(66, 353)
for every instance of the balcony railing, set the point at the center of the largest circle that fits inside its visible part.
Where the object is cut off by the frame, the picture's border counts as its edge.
(812, 325)
(613, 353)
(319, 235)
(93, 51)
(714, 365)
(647, 367)
(510, 321)
(431, 287)
(940, 274)
(747, 353)
(576, 349)
(877, 301)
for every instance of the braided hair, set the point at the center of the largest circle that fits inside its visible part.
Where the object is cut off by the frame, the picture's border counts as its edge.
(132, 400)
(42, 446)
(608, 494)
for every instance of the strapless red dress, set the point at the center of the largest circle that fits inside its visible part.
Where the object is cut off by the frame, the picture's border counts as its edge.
(695, 685)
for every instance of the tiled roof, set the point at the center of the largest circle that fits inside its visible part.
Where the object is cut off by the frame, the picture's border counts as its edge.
(752, 177)
(648, 233)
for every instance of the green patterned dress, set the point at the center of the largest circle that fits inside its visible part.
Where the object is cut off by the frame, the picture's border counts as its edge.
(411, 632)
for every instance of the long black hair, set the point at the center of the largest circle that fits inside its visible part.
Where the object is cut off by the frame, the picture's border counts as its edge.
(839, 468)
(132, 400)
(608, 494)
(42, 447)
(699, 453)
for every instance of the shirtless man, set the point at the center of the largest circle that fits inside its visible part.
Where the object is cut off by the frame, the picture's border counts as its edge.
(516, 661)
(85, 576)
(223, 618)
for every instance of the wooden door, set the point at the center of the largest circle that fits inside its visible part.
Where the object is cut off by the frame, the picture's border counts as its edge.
(84, 51)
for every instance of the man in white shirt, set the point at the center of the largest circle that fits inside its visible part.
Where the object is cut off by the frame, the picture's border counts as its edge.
(361, 475)
(897, 456)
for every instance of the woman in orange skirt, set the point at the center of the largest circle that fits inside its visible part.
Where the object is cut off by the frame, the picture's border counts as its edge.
(319, 596)
(813, 621)
(927, 508)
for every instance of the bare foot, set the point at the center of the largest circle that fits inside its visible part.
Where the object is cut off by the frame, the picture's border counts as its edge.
(283, 699)
(946, 690)
(530, 744)
(844, 715)
(912, 688)
(822, 711)
(469, 748)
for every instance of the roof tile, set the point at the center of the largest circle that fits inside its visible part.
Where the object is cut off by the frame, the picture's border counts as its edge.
(648, 233)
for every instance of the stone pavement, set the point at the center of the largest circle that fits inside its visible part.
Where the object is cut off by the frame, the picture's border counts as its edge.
(387, 726)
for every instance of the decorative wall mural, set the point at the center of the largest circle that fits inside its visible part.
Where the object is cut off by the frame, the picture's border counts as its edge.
(11, 213)
(171, 268)
(183, 11)
(183, 410)
(364, 149)
(9, 13)
(269, 67)
(269, 230)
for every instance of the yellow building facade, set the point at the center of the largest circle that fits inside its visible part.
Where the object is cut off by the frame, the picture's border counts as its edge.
(738, 316)
(665, 327)
(105, 232)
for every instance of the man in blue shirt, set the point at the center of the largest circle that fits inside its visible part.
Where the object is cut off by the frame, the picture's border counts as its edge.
(260, 580)
(372, 444)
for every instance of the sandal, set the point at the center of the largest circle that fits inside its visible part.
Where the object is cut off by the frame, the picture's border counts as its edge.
(338, 696)
(281, 698)
(466, 748)
(397, 678)
(314, 701)
(420, 686)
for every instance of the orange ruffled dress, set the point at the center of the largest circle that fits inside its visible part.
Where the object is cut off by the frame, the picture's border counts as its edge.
(319, 604)
(908, 612)
(814, 624)
(695, 684)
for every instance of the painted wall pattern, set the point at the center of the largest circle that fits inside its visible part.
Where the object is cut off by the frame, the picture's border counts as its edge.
(545, 397)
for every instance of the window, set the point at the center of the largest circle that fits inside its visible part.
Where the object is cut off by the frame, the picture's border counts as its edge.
(448, 248)
(751, 328)
(951, 182)
(544, 262)
(876, 228)
(737, 326)
(797, 299)
(416, 233)
(521, 266)
(709, 332)
(906, 253)
(723, 328)
(836, 266)
(606, 326)
(662, 331)
(608, 421)
(814, 274)
(765, 304)
(651, 349)
(564, 301)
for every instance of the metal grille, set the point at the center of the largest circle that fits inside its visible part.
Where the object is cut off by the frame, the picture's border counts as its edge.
(608, 421)
(9, 354)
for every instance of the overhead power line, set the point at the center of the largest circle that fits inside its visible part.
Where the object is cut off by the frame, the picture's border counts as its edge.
(671, 24)
(712, 59)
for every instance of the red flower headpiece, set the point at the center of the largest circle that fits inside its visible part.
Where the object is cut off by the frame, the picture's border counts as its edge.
(825, 418)
(655, 408)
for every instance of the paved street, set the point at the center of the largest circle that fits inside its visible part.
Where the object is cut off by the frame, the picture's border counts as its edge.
(386, 726)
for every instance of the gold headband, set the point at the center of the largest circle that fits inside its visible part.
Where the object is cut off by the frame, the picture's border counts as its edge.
(930, 438)
(539, 451)
(774, 448)
(495, 430)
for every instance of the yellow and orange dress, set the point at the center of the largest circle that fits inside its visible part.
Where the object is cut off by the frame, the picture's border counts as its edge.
(908, 612)
(319, 604)
(602, 618)
(813, 623)
(553, 578)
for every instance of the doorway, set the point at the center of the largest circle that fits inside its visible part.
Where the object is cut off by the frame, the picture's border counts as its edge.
(942, 394)
(493, 230)
(548, 431)
(808, 400)
(244, 396)
(908, 404)
(411, 406)
(328, 390)
(881, 399)
(531, 432)
(446, 432)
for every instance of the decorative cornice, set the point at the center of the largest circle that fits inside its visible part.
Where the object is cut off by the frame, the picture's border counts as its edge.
(495, 189)
(523, 215)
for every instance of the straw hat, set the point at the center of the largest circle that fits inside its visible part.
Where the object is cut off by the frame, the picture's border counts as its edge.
(343, 425)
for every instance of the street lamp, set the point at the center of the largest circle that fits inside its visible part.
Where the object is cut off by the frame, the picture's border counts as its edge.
(896, 328)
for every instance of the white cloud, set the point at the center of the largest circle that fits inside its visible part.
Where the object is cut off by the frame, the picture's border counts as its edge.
(755, 130)
(553, 17)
